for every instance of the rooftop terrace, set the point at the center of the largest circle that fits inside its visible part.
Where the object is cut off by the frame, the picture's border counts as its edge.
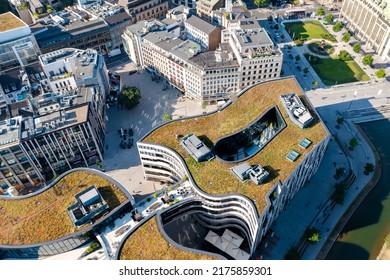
(215, 177)
(134, 247)
(44, 217)
(9, 21)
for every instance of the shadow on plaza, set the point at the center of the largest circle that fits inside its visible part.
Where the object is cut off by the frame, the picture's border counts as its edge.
(154, 103)
(371, 210)
(347, 251)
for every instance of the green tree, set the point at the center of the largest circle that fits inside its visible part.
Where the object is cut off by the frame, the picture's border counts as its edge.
(339, 193)
(23, 6)
(345, 56)
(315, 83)
(312, 235)
(357, 48)
(297, 57)
(203, 105)
(340, 120)
(292, 254)
(130, 97)
(49, 9)
(346, 37)
(367, 60)
(329, 18)
(305, 70)
(320, 11)
(353, 142)
(259, 3)
(380, 73)
(338, 27)
(368, 168)
(167, 117)
(270, 19)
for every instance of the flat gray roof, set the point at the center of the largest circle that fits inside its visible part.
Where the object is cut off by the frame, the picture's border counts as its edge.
(195, 147)
(201, 24)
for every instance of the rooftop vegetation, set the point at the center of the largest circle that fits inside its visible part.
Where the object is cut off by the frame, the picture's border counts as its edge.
(44, 217)
(215, 177)
(8, 21)
(137, 246)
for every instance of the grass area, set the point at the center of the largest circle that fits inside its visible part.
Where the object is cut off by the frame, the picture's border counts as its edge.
(332, 71)
(307, 30)
(8, 21)
(44, 217)
(215, 177)
(134, 248)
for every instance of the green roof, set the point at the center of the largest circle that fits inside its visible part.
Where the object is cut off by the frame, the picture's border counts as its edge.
(44, 217)
(215, 177)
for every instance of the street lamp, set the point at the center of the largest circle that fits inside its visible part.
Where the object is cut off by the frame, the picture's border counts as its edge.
(354, 96)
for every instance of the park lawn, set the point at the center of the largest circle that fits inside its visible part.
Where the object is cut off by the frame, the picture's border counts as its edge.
(337, 71)
(312, 29)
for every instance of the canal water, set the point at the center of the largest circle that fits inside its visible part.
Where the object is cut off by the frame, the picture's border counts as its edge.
(363, 236)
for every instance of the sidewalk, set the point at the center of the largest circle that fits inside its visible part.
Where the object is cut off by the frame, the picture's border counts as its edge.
(308, 207)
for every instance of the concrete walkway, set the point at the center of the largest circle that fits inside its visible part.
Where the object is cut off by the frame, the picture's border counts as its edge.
(308, 205)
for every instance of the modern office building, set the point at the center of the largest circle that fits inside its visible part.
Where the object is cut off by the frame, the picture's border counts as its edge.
(64, 126)
(369, 20)
(72, 28)
(245, 56)
(116, 18)
(223, 200)
(145, 9)
(18, 48)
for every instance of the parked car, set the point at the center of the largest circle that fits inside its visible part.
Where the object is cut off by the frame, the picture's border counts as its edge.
(299, 68)
(131, 132)
(290, 56)
(132, 72)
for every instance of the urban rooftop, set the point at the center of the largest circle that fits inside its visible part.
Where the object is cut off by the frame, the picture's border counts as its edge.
(215, 176)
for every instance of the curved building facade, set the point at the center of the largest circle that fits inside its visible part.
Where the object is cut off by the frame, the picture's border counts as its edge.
(235, 210)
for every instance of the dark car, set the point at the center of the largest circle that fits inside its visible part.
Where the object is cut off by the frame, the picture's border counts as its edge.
(132, 72)
(290, 56)
(299, 68)
(131, 132)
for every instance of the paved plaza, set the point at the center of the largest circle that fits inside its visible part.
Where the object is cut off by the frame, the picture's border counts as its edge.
(124, 164)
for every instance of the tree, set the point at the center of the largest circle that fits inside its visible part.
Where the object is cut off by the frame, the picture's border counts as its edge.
(297, 57)
(367, 60)
(315, 83)
(340, 120)
(338, 27)
(380, 73)
(276, 27)
(259, 3)
(130, 97)
(346, 37)
(339, 193)
(329, 18)
(345, 56)
(49, 9)
(353, 142)
(320, 11)
(357, 48)
(270, 19)
(305, 70)
(312, 235)
(368, 168)
(167, 117)
(339, 172)
(203, 104)
(292, 254)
